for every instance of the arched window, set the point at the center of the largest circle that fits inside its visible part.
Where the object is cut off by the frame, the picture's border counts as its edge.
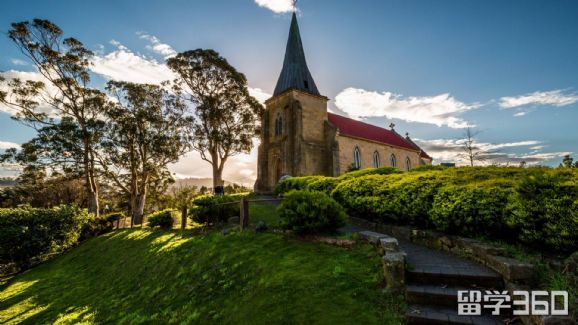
(357, 157)
(376, 162)
(407, 163)
(278, 125)
(393, 161)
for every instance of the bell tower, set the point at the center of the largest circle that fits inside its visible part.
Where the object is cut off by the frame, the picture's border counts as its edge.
(294, 132)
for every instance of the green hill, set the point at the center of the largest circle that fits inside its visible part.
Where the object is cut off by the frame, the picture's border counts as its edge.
(142, 276)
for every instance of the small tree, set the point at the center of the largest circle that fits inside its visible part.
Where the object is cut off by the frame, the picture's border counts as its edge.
(470, 151)
(568, 162)
(225, 115)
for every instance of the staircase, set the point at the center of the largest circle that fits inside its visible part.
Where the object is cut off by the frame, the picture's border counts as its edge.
(433, 280)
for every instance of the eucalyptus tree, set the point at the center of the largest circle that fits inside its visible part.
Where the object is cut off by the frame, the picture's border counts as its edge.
(62, 107)
(225, 115)
(147, 129)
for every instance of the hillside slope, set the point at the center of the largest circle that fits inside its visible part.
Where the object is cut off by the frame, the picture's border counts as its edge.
(136, 276)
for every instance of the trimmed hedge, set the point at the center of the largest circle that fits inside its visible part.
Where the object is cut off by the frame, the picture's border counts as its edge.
(162, 219)
(27, 233)
(534, 206)
(209, 208)
(306, 212)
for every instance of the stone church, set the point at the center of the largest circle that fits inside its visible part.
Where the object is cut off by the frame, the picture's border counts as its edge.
(299, 137)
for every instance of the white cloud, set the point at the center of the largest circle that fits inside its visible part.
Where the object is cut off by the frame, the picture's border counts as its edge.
(157, 46)
(439, 110)
(240, 169)
(259, 94)
(7, 145)
(277, 6)
(555, 98)
(49, 90)
(18, 62)
(451, 150)
(125, 65)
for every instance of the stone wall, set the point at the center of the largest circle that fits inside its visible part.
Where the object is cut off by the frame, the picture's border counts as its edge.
(367, 148)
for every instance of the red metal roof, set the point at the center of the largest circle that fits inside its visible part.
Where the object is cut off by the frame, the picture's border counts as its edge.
(363, 130)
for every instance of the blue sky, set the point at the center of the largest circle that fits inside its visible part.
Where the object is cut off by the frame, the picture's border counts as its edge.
(432, 67)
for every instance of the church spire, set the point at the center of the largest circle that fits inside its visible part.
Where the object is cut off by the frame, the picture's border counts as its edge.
(295, 73)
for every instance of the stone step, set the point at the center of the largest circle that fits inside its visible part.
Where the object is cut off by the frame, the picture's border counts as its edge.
(455, 276)
(419, 314)
(433, 294)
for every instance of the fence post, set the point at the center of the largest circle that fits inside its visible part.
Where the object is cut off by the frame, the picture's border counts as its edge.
(243, 213)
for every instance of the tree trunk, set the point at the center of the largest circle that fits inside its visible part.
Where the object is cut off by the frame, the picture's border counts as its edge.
(183, 217)
(138, 212)
(217, 176)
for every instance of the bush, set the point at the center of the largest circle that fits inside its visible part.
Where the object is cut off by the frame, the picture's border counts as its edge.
(472, 211)
(27, 233)
(307, 212)
(535, 206)
(295, 183)
(546, 211)
(210, 208)
(323, 184)
(370, 171)
(162, 219)
(96, 227)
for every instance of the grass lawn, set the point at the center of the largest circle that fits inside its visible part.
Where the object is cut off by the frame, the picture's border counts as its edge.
(143, 276)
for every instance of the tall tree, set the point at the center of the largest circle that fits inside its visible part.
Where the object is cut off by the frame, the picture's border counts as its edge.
(69, 103)
(225, 115)
(147, 129)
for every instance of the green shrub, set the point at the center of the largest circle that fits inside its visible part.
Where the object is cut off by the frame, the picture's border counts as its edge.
(306, 212)
(115, 216)
(210, 208)
(295, 183)
(162, 219)
(472, 211)
(546, 211)
(535, 206)
(96, 227)
(26, 233)
(370, 171)
(323, 184)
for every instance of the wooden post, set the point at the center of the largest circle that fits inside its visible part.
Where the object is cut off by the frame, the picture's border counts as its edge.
(243, 213)
(184, 211)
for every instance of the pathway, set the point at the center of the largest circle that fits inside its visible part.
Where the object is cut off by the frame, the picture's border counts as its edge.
(433, 279)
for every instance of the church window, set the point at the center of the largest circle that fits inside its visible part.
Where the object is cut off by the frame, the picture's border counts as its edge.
(407, 164)
(278, 125)
(393, 161)
(357, 157)
(376, 161)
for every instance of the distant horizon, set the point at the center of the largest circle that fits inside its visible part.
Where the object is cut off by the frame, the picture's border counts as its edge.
(509, 69)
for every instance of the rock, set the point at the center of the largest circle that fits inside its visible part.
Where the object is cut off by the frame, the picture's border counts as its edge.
(389, 244)
(394, 270)
(372, 236)
(511, 269)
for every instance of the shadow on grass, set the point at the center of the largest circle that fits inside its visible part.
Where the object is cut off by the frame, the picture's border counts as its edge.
(168, 277)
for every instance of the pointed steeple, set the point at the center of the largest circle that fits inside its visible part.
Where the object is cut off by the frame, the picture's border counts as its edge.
(295, 73)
